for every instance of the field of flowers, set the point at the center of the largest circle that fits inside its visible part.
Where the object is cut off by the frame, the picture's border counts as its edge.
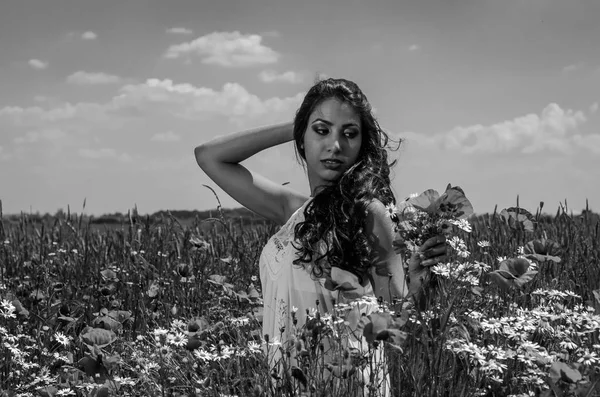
(155, 308)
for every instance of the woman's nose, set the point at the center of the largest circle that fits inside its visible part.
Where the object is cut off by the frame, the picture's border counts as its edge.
(335, 145)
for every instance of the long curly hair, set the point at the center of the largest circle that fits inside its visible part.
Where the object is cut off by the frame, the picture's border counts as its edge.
(333, 231)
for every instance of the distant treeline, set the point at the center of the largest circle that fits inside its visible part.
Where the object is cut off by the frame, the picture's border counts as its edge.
(237, 216)
(240, 215)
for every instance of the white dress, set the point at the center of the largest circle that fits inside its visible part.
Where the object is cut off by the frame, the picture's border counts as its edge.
(286, 286)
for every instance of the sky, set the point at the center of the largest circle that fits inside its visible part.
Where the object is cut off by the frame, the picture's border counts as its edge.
(105, 101)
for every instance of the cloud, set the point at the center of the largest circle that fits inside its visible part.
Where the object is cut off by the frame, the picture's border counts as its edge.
(590, 142)
(134, 114)
(414, 47)
(179, 30)
(573, 67)
(185, 101)
(37, 64)
(270, 76)
(553, 129)
(37, 116)
(89, 35)
(92, 78)
(229, 49)
(48, 135)
(168, 136)
(594, 107)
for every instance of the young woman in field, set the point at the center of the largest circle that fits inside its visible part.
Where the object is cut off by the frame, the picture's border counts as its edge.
(343, 224)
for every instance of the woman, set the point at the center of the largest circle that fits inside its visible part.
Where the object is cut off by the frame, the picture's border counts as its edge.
(343, 227)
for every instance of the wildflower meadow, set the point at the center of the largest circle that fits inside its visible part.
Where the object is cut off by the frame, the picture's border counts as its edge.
(155, 307)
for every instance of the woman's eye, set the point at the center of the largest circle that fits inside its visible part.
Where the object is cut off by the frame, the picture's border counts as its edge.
(351, 134)
(320, 131)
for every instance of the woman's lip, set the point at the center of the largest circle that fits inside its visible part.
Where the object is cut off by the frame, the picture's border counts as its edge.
(333, 161)
(332, 165)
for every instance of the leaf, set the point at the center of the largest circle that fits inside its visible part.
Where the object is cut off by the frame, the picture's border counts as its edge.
(47, 391)
(299, 374)
(565, 372)
(346, 282)
(19, 309)
(90, 366)
(217, 279)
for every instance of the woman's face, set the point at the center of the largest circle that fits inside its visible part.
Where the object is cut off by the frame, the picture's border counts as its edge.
(332, 142)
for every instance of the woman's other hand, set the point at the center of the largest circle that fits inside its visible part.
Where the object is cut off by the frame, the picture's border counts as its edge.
(432, 252)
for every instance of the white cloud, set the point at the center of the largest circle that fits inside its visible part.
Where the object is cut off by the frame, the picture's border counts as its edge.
(553, 129)
(590, 142)
(186, 101)
(414, 47)
(180, 30)
(36, 116)
(89, 35)
(270, 76)
(92, 78)
(229, 49)
(98, 153)
(168, 136)
(47, 135)
(156, 98)
(37, 64)
(573, 67)
(594, 107)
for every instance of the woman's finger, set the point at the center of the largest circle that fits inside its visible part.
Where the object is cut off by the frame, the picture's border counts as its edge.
(434, 261)
(433, 241)
(435, 251)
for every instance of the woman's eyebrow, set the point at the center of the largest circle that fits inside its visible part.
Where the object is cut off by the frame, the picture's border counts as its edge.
(351, 124)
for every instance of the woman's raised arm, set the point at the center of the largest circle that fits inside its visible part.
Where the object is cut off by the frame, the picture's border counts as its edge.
(220, 159)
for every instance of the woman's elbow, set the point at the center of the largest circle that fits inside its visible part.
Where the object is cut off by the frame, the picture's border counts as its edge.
(200, 154)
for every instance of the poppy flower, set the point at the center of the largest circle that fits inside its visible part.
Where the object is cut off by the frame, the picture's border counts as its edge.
(452, 203)
(543, 250)
(513, 272)
(515, 217)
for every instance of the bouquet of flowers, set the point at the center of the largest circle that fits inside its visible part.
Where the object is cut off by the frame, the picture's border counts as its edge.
(420, 217)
